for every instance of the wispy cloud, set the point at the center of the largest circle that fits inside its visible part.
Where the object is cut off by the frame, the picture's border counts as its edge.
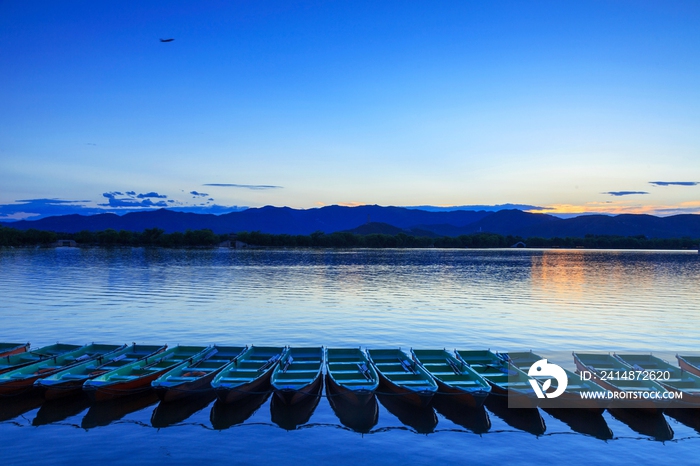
(118, 202)
(209, 209)
(151, 195)
(488, 208)
(134, 203)
(118, 199)
(674, 183)
(37, 208)
(624, 193)
(244, 186)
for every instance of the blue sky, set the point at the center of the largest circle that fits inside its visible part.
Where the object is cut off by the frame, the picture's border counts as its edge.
(566, 106)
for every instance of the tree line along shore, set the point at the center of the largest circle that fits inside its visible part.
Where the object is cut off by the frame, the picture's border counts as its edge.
(156, 237)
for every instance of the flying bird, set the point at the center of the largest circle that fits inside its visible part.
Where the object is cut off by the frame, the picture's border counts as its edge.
(167, 40)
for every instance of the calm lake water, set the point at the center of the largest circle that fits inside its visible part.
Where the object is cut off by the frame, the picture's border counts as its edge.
(553, 302)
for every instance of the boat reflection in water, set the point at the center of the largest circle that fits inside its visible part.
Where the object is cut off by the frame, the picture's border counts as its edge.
(11, 407)
(58, 410)
(173, 412)
(225, 415)
(526, 419)
(421, 418)
(474, 419)
(289, 417)
(688, 416)
(105, 412)
(583, 422)
(645, 423)
(360, 418)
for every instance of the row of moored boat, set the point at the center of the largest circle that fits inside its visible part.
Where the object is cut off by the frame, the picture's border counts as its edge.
(107, 372)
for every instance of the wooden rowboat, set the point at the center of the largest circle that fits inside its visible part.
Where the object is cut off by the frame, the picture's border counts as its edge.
(571, 398)
(350, 374)
(69, 382)
(678, 380)
(454, 378)
(507, 382)
(8, 349)
(137, 376)
(194, 377)
(298, 375)
(690, 364)
(401, 376)
(15, 361)
(603, 369)
(22, 380)
(248, 374)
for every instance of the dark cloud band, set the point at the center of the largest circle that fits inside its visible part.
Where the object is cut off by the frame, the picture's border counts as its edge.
(47, 207)
(244, 186)
(625, 193)
(151, 195)
(674, 183)
(488, 208)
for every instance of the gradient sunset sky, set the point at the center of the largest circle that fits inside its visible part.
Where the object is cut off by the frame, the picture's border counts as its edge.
(562, 106)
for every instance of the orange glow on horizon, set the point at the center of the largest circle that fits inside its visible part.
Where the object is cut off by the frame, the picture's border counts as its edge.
(352, 204)
(616, 208)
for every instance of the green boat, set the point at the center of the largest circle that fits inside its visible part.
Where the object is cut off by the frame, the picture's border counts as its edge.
(298, 375)
(400, 375)
(610, 373)
(248, 374)
(454, 378)
(15, 361)
(350, 374)
(137, 376)
(669, 376)
(571, 398)
(505, 380)
(70, 381)
(194, 378)
(22, 380)
(8, 349)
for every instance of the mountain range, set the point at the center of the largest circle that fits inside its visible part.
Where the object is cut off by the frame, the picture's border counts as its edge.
(376, 219)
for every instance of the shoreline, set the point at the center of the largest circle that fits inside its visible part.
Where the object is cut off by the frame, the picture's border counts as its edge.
(207, 239)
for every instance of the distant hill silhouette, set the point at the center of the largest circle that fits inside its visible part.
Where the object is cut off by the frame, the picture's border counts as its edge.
(377, 228)
(503, 222)
(375, 219)
(386, 229)
(268, 219)
(676, 226)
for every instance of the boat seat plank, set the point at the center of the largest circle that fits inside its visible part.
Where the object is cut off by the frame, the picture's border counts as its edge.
(414, 382)
(465, 383)
(518, 385)
(236, 380)
(390, 373)
(199, 369)
(121, 378)
(74, 377)
(180, 379)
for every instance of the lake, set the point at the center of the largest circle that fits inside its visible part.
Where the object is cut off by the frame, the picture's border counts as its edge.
(550, 301)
